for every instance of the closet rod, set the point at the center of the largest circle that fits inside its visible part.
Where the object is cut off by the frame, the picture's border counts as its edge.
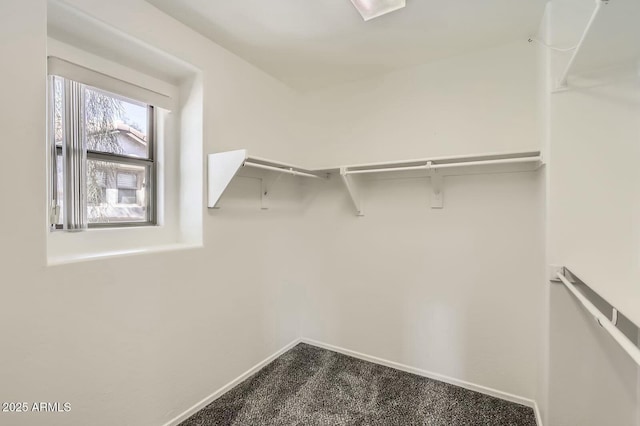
(618, 336)
(289, 171)
(430, 166)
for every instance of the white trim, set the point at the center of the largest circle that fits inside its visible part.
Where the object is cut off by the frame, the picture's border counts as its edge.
(397, 366)
(536, 410)
(446, 379)
(116, 70)
(100, 80)
(226, 388)
(85, 257)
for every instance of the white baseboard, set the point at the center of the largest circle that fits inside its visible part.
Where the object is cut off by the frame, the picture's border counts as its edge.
(536, 410)
(224, 389)
(456, 382)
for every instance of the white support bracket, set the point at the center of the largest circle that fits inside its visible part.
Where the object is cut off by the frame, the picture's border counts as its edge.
(266, 186)
(222, 167)
(437, 198)
(554, 270)
(562, 83)
(614, 316)
(352, 190)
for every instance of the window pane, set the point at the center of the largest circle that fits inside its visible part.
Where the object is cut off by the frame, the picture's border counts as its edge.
(58, 86)
(59, 189)
(57, 129)
(112, 198)
(115, 125)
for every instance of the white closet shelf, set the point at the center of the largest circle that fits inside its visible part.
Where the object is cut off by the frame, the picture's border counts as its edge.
(441, 162)
(608, 40)
(435, 168)
(223, 167)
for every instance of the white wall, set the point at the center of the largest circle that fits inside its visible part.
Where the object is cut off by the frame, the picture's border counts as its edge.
(480, 102)
(137, 340)
(454, 291)
(593, 175)
(592, 227)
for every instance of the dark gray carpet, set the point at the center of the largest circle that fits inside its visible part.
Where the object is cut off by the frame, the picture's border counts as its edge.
(312, 386)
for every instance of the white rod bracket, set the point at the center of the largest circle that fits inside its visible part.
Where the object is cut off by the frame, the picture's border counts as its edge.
(437, 198)
(554, 270)
(264, 194)
(352, 190)
(266, 186)
(614, 316)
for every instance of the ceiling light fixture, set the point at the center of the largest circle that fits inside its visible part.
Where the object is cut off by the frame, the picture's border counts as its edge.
(370, 9)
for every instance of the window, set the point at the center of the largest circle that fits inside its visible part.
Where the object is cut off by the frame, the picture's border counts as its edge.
(141, 181)
(103, 158)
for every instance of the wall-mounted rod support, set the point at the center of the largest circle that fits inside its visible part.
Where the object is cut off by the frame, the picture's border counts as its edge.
(616, 334)
(353, 192)
(562, 82)
(431, 166)
(436, 187)
(289, 171)
(614, 316)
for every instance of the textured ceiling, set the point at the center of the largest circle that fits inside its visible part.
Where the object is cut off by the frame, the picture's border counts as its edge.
(312, 44)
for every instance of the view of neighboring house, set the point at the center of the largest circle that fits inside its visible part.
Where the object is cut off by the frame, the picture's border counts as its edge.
(120, 189)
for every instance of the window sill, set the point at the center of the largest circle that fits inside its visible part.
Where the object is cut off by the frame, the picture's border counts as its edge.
(102, 243)
(75, 258)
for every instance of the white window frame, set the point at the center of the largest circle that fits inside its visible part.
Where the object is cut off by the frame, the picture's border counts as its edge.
(179, 145)
(75, 155)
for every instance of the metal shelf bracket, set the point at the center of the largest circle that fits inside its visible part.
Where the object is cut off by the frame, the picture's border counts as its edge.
(437, 198)
(352, 190)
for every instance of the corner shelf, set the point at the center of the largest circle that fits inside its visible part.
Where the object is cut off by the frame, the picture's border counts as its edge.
(223, 167)
(609, 39)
